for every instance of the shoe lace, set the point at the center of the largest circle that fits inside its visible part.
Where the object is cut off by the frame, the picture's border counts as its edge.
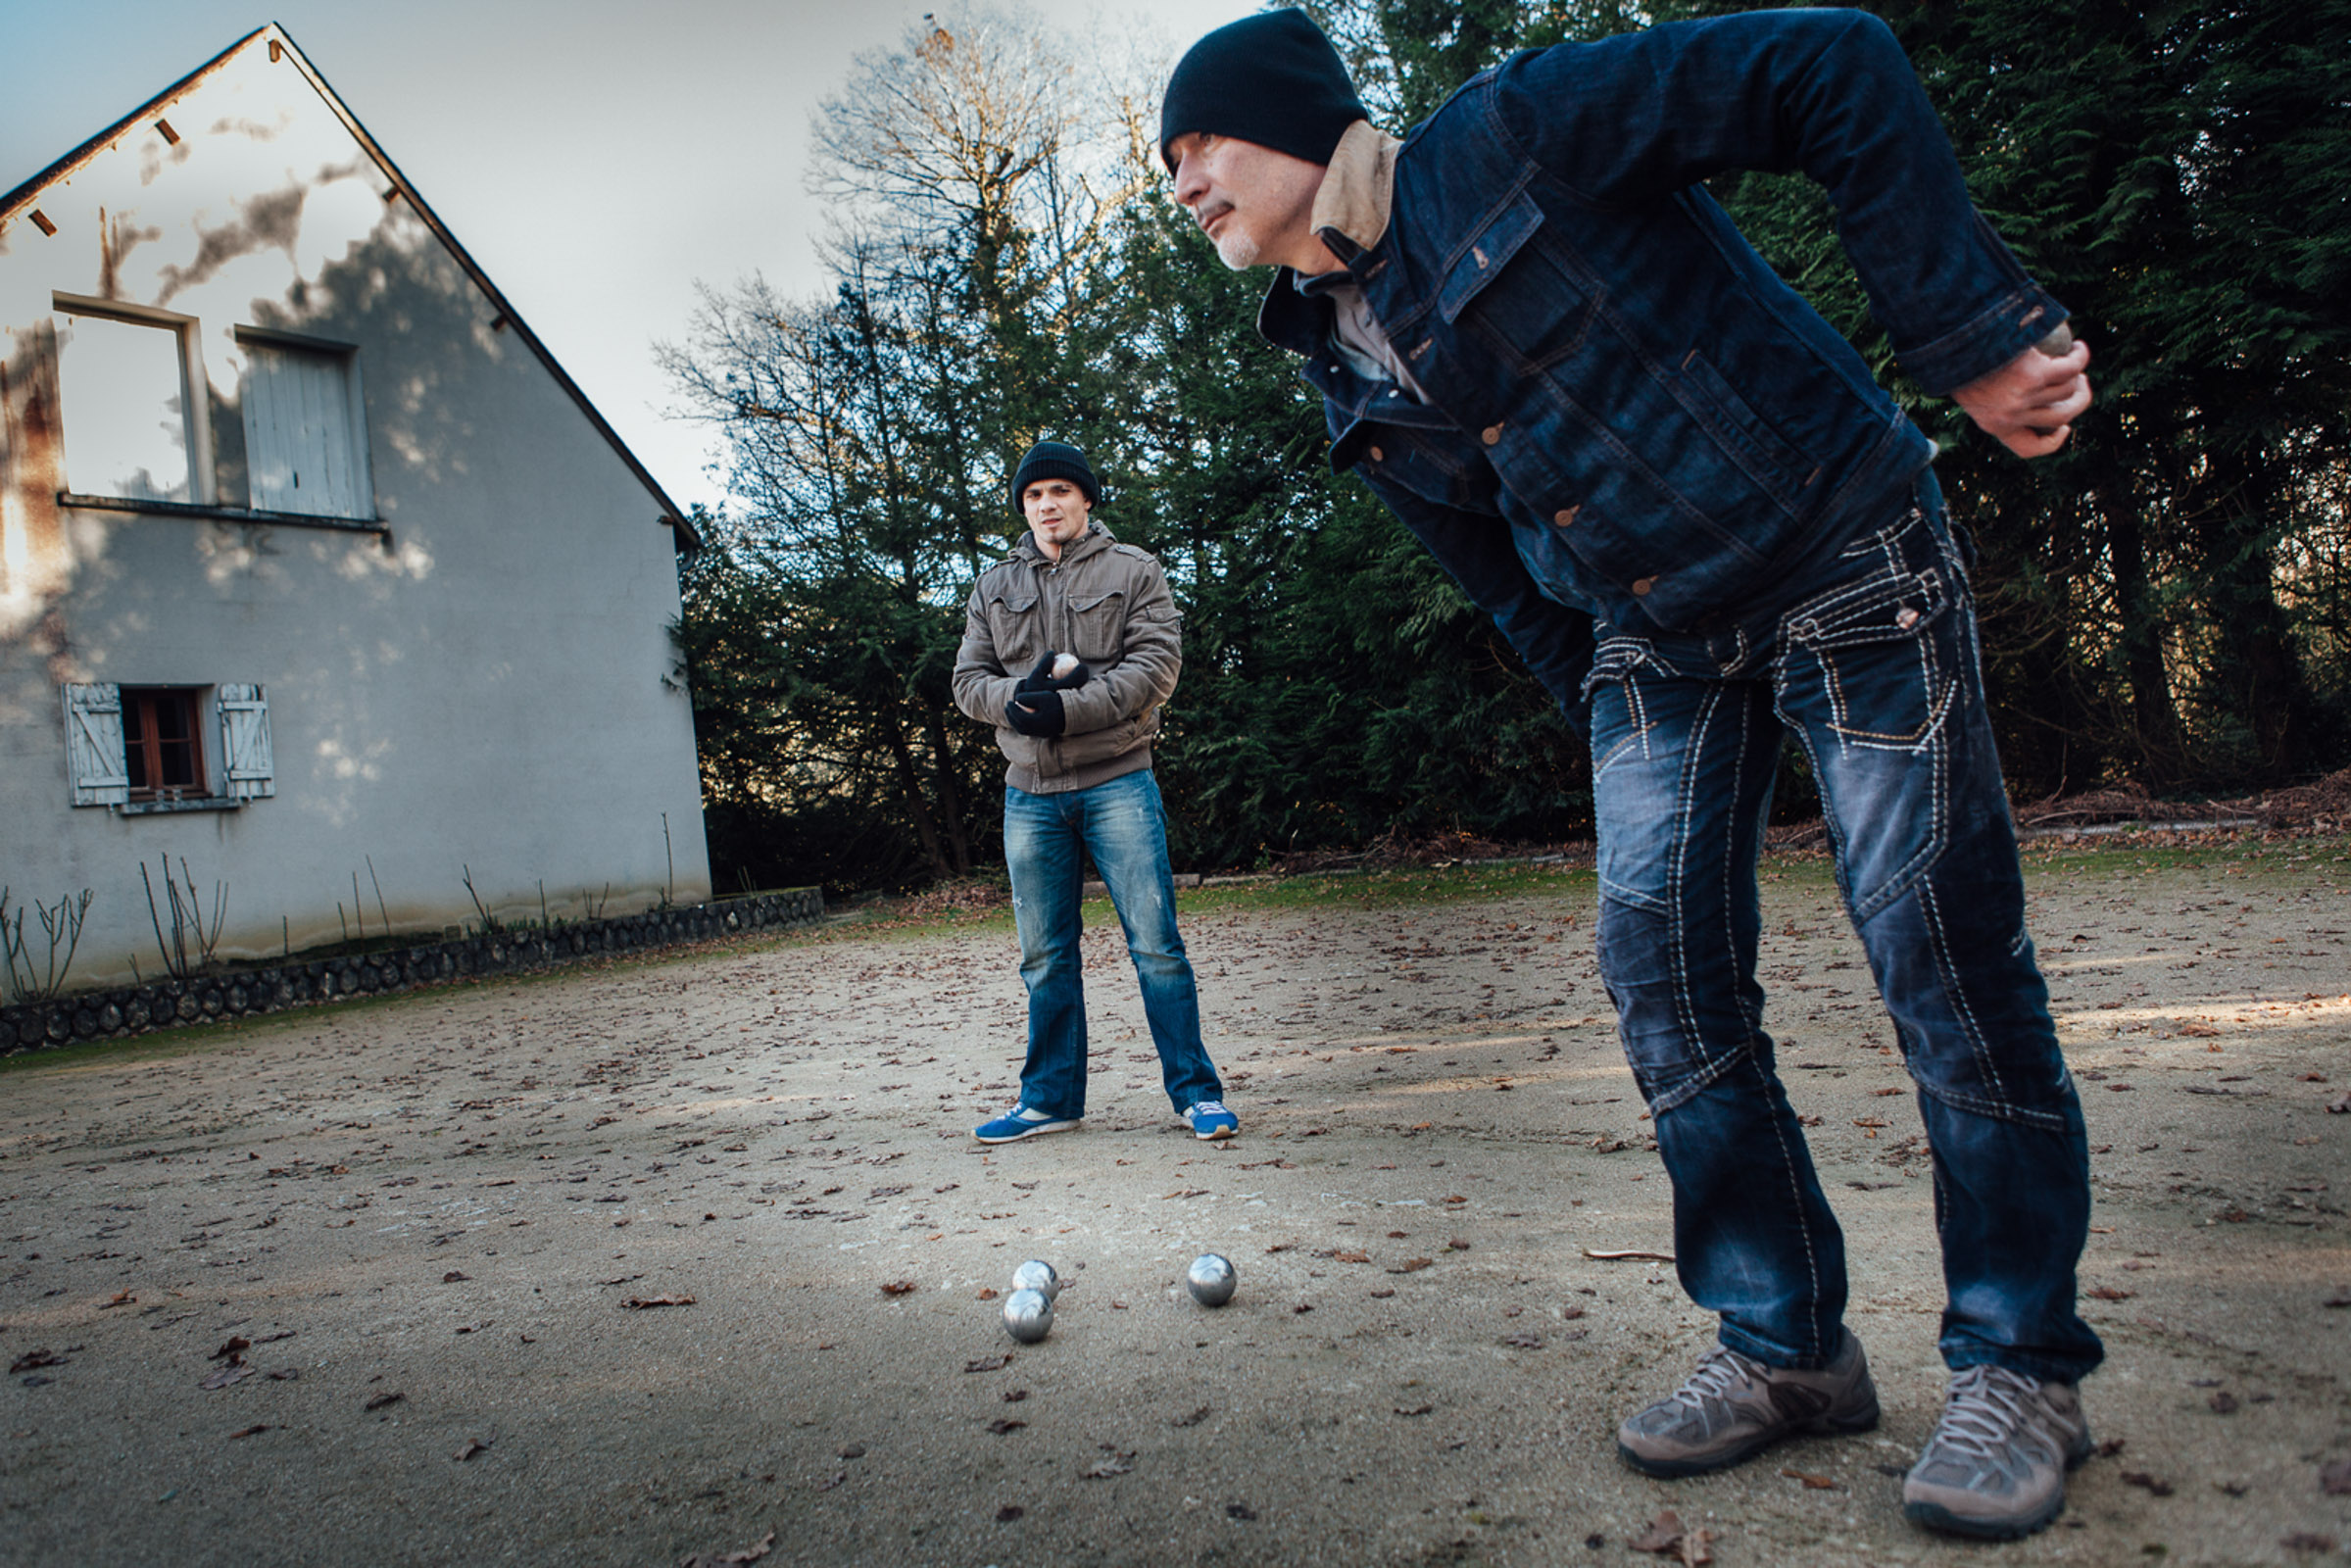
(1984, 1410)
(1211, 1108)
(1717, 1372)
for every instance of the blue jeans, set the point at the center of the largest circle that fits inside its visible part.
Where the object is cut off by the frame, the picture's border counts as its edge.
(1875, 672)
(1121, 825)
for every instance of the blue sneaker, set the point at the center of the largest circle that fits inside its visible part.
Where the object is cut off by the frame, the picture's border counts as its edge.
(1209, 1119)
(1022, 1121)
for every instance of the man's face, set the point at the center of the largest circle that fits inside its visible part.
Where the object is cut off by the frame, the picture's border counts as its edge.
(1057, 510)
(1252, 202)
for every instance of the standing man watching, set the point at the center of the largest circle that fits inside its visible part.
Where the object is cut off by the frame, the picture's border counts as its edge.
(1090, 624)
(1693, 509)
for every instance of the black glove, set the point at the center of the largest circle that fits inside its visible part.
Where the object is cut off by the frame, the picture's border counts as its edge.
(1043, 679)
(1037, 713)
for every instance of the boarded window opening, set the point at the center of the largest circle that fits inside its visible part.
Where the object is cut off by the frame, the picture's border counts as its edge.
(305, 432)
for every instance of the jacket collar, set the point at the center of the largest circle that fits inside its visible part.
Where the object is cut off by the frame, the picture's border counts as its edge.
(1096, 537)
(1357, 188)
(1351, 217)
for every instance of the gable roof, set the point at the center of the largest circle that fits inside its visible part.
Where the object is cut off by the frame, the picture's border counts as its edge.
(280, 42)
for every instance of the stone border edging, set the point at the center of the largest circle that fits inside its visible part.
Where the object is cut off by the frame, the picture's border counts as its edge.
(123, 1012)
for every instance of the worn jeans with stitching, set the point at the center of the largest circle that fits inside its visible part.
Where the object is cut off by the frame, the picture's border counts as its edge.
(1121, 825)
(1875, 674)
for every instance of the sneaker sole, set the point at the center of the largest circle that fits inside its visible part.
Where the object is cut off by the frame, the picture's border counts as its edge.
(1934, 1516)
(1677, 1469)
(1040, 1129)
(1216, 1133)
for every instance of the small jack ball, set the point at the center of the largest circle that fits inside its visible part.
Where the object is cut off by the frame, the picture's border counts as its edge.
(1028, 1315)
(1038, 1275)
(1211, 1278)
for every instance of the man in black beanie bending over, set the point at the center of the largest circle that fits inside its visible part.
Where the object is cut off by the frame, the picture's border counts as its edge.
(1690, 506)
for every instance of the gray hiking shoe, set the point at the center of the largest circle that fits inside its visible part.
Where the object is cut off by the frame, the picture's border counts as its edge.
(1733, 1406)
(1995, 1466)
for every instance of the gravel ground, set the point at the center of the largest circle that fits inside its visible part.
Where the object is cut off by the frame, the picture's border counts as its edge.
(385, 1284)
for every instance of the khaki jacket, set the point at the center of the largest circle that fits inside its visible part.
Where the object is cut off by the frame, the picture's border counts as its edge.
(1107, 603)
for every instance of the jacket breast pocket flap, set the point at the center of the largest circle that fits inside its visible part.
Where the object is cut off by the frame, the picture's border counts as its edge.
(1097, 625)
(1012, 624)
(1482, 260)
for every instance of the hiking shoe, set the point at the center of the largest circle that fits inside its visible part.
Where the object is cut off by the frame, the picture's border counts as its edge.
(1733, 1406)
(1022, 1121)
(1209, 1119)
(1995, 1466)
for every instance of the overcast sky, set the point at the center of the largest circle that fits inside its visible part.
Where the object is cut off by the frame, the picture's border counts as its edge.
(596, 157)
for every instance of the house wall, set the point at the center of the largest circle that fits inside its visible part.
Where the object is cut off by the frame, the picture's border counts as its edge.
(491, 684)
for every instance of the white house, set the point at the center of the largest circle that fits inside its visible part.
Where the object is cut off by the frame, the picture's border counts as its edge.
(321, 582)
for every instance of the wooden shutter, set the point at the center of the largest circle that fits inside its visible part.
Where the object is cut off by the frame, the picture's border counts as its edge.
(95, 745)
(246, 772)
(299, 432)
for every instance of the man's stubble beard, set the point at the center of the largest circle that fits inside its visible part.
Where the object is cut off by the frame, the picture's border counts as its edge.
(1238, 249)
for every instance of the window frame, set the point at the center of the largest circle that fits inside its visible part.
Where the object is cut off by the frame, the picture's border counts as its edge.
(195, 393)
(141, 740)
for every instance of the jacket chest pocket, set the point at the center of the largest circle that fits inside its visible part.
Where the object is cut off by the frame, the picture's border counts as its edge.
(1016, 628)
(1523, 296)
(1097, 625)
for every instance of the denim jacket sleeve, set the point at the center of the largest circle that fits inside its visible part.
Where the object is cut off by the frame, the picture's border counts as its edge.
(1476, 550)
(1635, 119)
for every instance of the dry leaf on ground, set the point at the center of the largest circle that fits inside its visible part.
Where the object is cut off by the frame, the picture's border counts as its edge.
(1634, 1254)
(899, 1287)
(637, 1303)
(1117, 1464)
(1812, 1483)
(1667, 1535)
(2335, 1479)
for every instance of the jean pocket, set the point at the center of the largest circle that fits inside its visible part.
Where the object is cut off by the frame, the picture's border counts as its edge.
(1875, 656)
(1620, 722)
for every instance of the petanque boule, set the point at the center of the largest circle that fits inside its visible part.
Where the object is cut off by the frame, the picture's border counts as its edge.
(1211, 1278)
(1038, 1275)
(1064, 666)
(1028, 1315)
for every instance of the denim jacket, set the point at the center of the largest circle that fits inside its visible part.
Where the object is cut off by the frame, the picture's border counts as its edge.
(1630, 413)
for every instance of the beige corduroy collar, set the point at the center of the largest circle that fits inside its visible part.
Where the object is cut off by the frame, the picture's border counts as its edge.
(1357, 187)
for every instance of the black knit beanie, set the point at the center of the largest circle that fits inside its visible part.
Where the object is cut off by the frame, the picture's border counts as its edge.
(1271, 79)
(1056, 460)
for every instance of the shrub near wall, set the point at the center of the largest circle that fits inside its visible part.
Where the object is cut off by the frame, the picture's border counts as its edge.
(249, 992)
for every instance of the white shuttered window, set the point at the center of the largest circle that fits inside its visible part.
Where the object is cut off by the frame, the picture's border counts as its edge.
(99, 760)
(306, 439)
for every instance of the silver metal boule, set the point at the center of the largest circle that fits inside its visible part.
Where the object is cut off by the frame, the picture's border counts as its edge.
(1038, 1275)
(1028, 1315)
(1064, 665)
(1211, 1278)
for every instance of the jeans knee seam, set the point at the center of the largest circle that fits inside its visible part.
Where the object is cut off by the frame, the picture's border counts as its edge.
(1947, 970)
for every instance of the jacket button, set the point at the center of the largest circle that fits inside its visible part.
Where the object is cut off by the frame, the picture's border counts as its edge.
(1377, 456)
(1641, 587)
(1565, 515)
(1491, 434)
